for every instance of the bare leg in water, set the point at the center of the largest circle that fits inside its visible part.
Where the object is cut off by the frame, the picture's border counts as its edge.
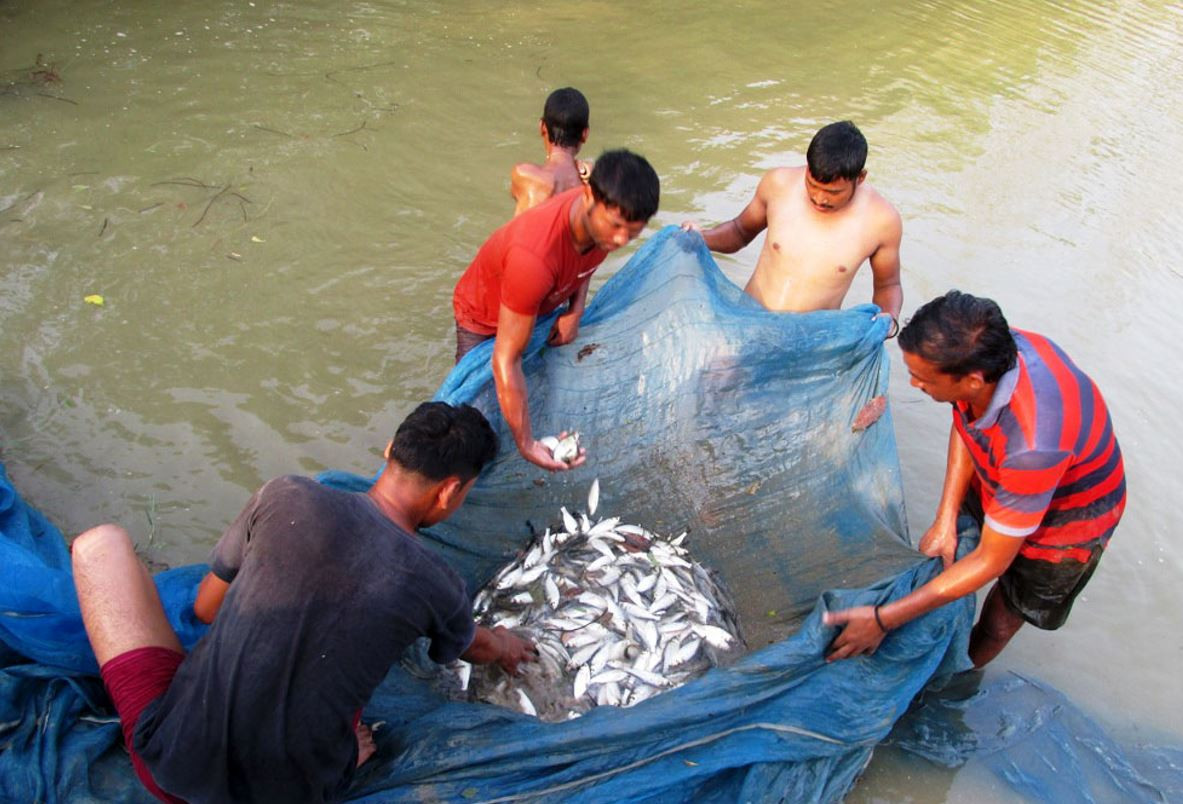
(994, 630)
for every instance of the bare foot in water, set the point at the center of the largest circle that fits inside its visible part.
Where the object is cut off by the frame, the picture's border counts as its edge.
(365, 743)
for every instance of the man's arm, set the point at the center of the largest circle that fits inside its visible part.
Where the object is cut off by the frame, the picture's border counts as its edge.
(501, 646)
(941, 537)
(566, 326)
(729, 237)
(862, 633)
(210, 594)
(885, 268)
(513, 334)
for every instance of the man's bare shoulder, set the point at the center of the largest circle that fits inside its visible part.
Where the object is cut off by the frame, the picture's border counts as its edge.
(529, 172)
(882, 211)
(782, 178)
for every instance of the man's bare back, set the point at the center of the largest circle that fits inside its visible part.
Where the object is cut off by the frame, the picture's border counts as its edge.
(811, 254)
(819, 231)
(532, 184)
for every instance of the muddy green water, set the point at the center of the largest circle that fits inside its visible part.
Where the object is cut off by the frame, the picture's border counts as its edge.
(275, 200)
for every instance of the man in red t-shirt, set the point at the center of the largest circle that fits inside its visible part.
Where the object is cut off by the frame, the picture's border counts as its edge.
(540, 260)
(1032, 456)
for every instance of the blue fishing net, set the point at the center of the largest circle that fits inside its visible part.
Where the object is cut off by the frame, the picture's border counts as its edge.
(701, 412)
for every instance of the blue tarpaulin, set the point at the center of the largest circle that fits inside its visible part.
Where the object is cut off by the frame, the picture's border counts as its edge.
(701, 412)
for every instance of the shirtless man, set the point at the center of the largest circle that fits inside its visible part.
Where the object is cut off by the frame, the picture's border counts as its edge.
(563, 128)
(823, 221)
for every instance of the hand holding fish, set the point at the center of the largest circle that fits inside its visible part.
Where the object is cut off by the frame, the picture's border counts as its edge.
(860, 635)
(539, 454)
(501, 646)
(513, 650)
(563, 449)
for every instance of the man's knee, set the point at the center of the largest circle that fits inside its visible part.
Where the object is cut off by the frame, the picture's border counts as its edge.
(95, 545)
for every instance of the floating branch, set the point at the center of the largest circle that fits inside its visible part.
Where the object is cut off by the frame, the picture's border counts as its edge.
(353, 130)
(57, 98)
(185, 181)
(274, 131)
(242, 202)
(217, 195)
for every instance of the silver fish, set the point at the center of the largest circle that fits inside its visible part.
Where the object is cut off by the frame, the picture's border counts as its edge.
(618, 613)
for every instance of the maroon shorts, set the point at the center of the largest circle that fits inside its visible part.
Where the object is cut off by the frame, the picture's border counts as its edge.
(466, 340)
(134, 679)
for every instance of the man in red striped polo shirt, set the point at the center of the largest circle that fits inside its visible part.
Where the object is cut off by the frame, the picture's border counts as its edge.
(1032, 454)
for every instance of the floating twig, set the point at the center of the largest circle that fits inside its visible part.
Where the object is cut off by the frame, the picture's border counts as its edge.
(150, 512)
(217, 195)
(273, 131)
(104, 227)
(57, 98)
(83, 173)
(185, 181)
(352, 130)
(151, 207)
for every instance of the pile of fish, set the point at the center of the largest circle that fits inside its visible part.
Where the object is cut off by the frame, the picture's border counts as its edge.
(619, 614)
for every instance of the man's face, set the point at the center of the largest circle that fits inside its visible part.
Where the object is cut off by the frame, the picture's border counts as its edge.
(937, 384)
(608, 227)
(831, 196)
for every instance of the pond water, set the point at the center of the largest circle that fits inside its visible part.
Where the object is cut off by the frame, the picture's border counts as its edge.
(274, 201)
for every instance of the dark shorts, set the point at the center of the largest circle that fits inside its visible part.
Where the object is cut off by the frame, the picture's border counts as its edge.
(466, 339)
(133, 680)
(1042, 592)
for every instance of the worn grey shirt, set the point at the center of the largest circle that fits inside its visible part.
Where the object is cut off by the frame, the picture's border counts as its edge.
(325, 594)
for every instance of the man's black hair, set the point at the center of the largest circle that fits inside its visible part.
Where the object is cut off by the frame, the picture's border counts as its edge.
(960, 334)
(624, 180)
(566, 114)
(837, 151)
(440, 441)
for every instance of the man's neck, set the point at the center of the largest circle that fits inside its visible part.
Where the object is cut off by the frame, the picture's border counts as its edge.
(980, 403)
(557, 155)
(580, 226)
(397, 500)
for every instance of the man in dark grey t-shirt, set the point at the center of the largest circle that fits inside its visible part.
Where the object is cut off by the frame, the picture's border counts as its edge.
(316, 594)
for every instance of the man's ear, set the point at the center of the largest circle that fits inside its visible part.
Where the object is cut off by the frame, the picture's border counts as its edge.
(583, 136)
(976, 380)
(861, 177)
(542, 132)
(448, 489)
(386, 453)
